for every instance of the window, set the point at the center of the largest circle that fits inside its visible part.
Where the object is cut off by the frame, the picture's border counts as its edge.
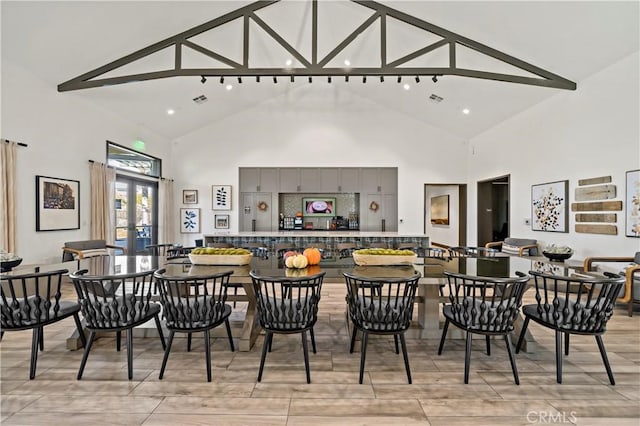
(133, 161)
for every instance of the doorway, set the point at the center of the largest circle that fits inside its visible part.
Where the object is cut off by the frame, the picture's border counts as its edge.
(453, 231)
(136, 214)
(493, 210)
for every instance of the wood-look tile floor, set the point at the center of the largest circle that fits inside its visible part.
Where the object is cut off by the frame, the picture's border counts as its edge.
(437, 396)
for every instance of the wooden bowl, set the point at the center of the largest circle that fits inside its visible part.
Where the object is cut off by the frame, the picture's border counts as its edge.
(220, 259)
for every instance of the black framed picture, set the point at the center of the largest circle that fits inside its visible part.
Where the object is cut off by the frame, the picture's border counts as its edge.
(57, 204)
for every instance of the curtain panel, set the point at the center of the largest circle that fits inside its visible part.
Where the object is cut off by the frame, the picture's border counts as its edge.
(103, 181)
(167, 226)
(8, 217)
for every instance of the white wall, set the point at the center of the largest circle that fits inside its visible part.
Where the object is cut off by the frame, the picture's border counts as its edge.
(443, 234)
(311, 131)
(63, 132)
(590, 132)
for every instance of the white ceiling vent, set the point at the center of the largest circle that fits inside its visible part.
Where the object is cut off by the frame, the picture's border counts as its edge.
(200, 99)
(435, 98)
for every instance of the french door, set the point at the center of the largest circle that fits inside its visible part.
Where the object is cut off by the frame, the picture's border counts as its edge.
(136, 204)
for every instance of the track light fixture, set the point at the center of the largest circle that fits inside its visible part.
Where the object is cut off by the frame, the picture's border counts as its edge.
(417, 79)
(257, 79)
(203, 80)
(434, 79)
(381, 79)
(292, 79)
(239, 80)
(346, 78)
(310, 79)
(364, 78)
(399, 79)
(329, 79)
(221, 79)
(275, 79)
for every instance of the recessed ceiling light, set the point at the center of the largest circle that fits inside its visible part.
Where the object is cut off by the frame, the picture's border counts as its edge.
(228, 87)
(171, 112)
(406, 86)
(347, 62)
(466, 111)
(289, 62)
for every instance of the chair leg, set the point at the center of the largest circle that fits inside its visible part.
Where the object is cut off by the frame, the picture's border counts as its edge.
(630, 308)
(353, 339)
(235, 294)
(160, 333)
(395, 341)
(130, 353)
(226, 323)
(363, 353)
(558, 356)
(305, 350)
(85, 355)
(41, 339)
(313, 341)
(603, 353)
(207, 353)
(522, 333)
(405, 356)
(467, 357)
(35, 342)
(265, 346)
(118, 337)
(512, 359)
(566, 343)
(188, 342)
(165, 358)
(444, 336)
(487, 338)
(83, 339)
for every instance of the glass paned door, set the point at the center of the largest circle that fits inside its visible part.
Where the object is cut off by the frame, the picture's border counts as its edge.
(136, 214)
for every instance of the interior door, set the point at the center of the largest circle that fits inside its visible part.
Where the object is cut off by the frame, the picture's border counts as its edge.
(254, 219)
(493, 210)
(136, 214)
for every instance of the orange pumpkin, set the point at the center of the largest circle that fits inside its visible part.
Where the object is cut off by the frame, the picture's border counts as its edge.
(313, 255)
(312, 270)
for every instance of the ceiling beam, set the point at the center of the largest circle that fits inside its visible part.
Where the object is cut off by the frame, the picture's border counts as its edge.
(315, 66)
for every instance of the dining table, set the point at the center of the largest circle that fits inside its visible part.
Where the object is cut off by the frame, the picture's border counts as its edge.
(428, 324)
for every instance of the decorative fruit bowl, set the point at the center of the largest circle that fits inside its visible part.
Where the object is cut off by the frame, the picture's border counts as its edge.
(8, 265)
(220, 256)
(557, 257)
(383, 257)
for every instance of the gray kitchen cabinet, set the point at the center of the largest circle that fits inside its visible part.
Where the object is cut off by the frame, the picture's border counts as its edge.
(289, 179)
(349, 179)
(379, 212)
(379, 179)
(269, 179)
(388, 180)
(252, 219)
(329, 179)
(258, 179)
(310, 179)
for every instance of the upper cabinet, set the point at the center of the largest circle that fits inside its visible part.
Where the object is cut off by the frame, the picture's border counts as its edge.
(310, 180)
(349, 179)
(258, 179)
(379, 179)
(329, 179)
(289, 179)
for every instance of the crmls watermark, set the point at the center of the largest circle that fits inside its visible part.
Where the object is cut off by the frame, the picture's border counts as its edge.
(551, 417)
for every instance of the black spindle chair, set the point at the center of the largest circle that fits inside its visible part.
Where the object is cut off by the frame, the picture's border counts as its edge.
(115, 303)
(573, 305)
(482, 305)
(192, 304)
(287, 305)
(381, 306)
(32, 301)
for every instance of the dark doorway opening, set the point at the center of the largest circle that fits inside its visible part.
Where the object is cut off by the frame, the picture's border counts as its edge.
(493, 210)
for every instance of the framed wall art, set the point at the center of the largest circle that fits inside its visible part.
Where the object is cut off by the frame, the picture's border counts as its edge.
(440, 210)
(632, 206)
(57, 204)
(221, 197)
(189, 196)
(189, 221)
(549, 207)
(221, 221)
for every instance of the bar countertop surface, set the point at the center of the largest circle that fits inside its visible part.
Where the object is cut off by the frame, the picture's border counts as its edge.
(316, 233)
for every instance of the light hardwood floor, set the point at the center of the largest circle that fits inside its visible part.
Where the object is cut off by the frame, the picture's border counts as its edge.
(437, 396)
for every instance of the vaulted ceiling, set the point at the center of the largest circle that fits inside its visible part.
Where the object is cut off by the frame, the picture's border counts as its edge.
(57, 41)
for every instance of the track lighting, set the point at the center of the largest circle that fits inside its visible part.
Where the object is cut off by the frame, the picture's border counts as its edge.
(346, 78)
(292, 79)
(221, 79)
(329, 79)
(364, 78)
(275, 79)
(203, 80)
(434, 79)
(257, 79)
(381, 79)
(310, 79)
(417, 79)
(399, 79)
(239, 80)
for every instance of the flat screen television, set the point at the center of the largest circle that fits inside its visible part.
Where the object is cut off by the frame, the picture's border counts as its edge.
(319, 206)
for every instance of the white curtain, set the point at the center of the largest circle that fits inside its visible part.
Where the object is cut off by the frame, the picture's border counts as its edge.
(103, 181)
(166, 213)
(8, 152)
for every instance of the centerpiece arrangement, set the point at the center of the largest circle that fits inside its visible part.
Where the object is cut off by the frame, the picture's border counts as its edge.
(220, 256)
(302, 264)
(382, 256)
(557, 253)
(9, 261)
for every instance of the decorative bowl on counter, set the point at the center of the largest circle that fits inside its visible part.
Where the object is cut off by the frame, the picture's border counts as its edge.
(220, 259)
(557, 257)
(8, 265)
(383, 257)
